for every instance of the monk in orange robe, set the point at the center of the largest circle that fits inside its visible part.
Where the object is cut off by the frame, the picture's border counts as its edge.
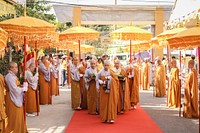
(146, 75)
(191, 109)
(32, 96)
(54, 79)
(135, 87)
(174, 93)
(107, 87)
(124, 92)
(82, 69)
(14, 101)
(44, 81)
(92, 95)
(160, 79)
(75, 84)
(2, 104)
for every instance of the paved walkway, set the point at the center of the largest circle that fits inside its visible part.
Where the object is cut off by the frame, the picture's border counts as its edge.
(54, 118)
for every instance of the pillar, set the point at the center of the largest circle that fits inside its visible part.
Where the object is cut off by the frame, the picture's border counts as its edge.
(159, 20)
(77, 16)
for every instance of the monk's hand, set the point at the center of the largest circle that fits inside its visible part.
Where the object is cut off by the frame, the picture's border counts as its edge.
(25, 86)
(100, 82)
(81, 75)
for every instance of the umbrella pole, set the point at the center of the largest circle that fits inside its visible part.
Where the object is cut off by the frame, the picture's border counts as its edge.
(24, 78)
(130, 51)
(169, 61)
(36, 91)
(180, 87)
(79, 49)
(199, 58)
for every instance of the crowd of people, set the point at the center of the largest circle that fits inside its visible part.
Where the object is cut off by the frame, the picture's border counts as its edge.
(104, 87)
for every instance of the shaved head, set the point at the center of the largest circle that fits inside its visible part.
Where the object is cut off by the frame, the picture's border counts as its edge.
(173, 63)
(12, 65)
(191, 63)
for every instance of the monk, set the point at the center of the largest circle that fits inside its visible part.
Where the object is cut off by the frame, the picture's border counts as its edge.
(191, 109)
(106, 83)
(160, 79)
(124, 93)
(92, 95)
(135, 87)
(54, 79)
(44, 81)
(82, 68)
(75, 85)
(2, 104)
(174, 93)
(146, 75)
(14, 101)
(32, 104)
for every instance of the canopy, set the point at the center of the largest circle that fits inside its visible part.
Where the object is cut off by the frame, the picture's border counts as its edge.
(131, 33)
(34, 29)
(3, 38)
(79, 33)
(189, 38)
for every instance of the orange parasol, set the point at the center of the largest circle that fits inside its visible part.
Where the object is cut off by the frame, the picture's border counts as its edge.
(131, 33)
(3, 40)
(189, 38)
(79, 33)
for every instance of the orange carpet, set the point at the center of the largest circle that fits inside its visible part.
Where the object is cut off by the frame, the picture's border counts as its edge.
(134, 121)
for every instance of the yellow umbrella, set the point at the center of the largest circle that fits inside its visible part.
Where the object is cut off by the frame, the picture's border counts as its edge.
(87, 48)
(3, 38)
(34, 29)
(31, 29)
(79, 33)
(189, 38)
(168, 33)
(131, 33)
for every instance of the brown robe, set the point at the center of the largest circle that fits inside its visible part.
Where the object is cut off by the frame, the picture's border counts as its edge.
(16, 122)
(135, 87)
(83, 89)
(191, 109)
(44, 89)
(160, 81)
(75, 94)
(2, 104)
(92, 97)
(146, 76)
(174, 93)
(124, 93)
(108, 101)
(54, 85)
(31, 102)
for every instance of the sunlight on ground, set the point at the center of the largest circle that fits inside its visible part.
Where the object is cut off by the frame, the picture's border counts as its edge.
(53, 129)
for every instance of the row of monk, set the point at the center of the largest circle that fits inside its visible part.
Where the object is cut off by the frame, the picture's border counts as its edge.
(17, 101)
(105, 88)
(109, 89)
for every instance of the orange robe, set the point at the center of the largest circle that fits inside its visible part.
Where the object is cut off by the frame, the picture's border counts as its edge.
(146, 76)
(160, 81)
(135, 87)
(191, 109)
(2, 104)
(16, 123)
(124, 93)
(108, 101)
(83, 89)
(45, 94)
(92, 97)
(54, 85)
(31, 102)
(174, 93)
